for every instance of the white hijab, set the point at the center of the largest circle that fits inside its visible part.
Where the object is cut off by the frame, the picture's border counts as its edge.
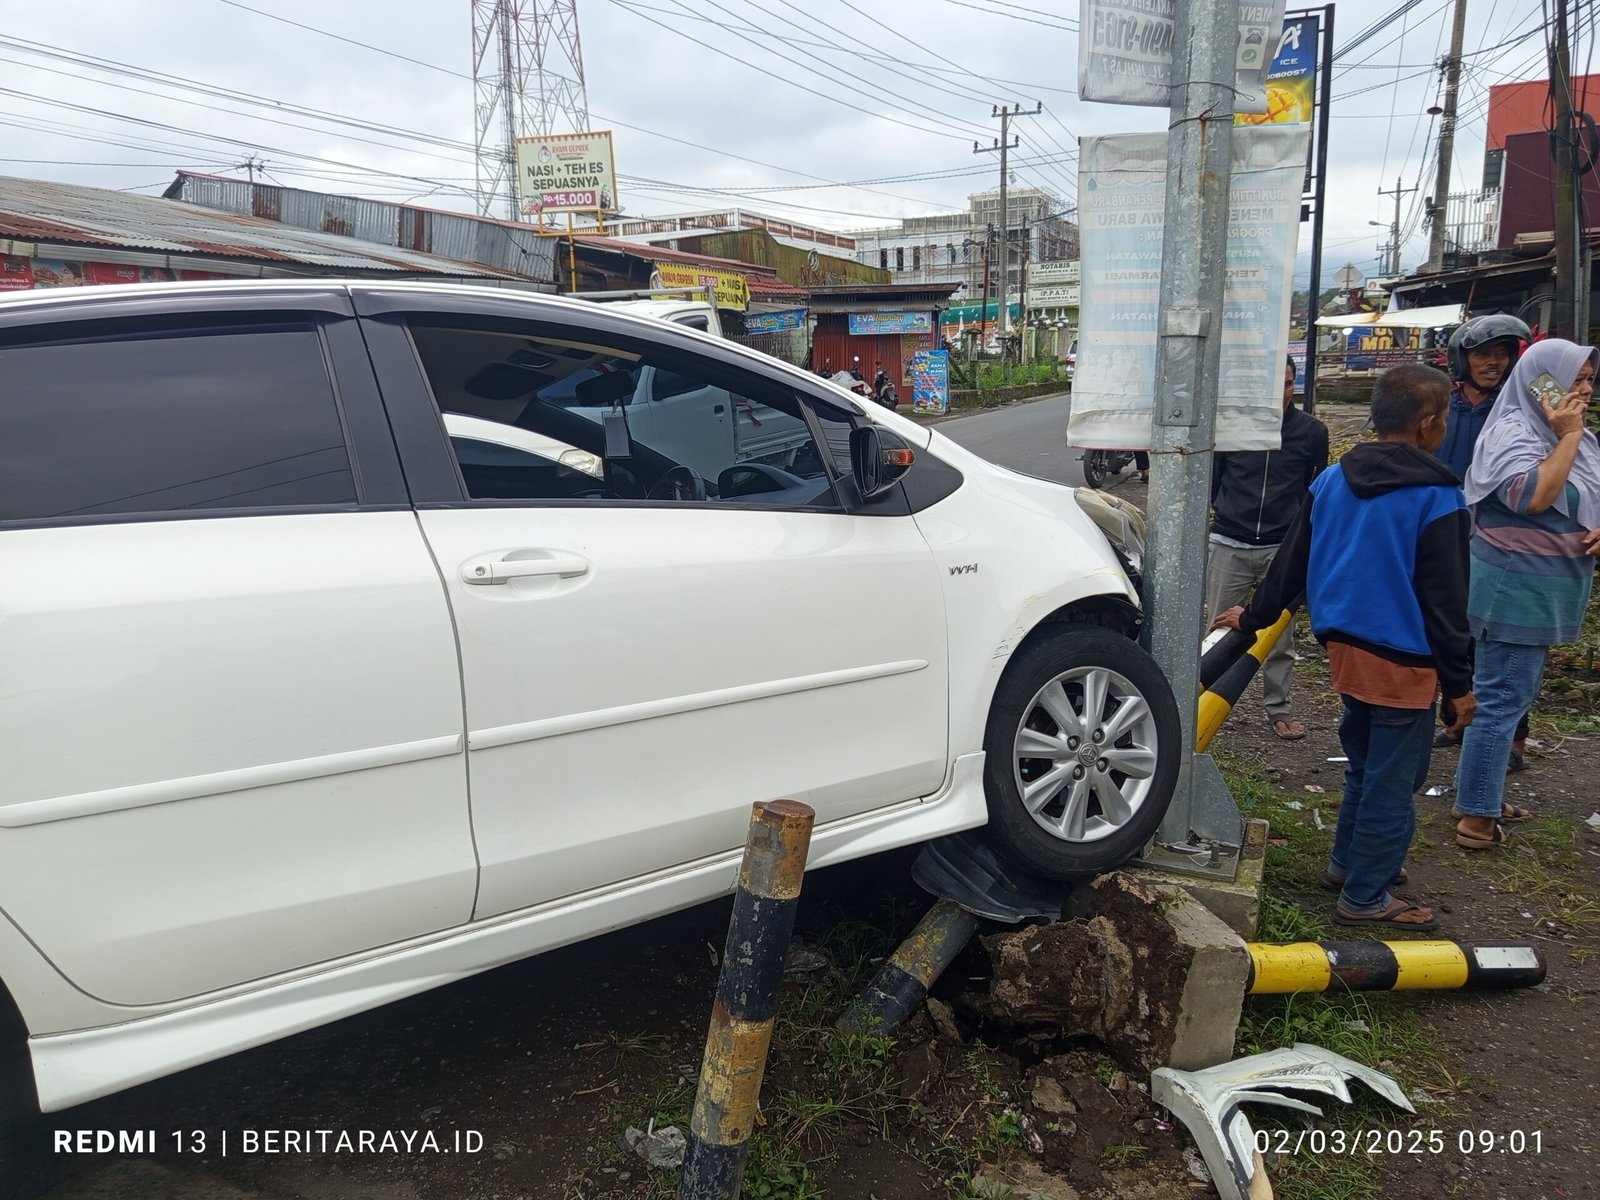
(1517, 437)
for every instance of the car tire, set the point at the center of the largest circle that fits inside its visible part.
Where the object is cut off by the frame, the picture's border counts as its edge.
(1058, 803)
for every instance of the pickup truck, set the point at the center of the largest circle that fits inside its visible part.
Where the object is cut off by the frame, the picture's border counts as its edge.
(346, 653)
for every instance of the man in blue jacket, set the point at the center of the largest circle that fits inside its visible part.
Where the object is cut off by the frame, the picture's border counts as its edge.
(1254, 497)
(1380, 551)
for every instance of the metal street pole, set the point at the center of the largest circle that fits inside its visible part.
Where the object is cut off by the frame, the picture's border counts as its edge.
(1564, 313)
(1189, 330)
(1004, 145)
(1447, 138)
(1394, 230)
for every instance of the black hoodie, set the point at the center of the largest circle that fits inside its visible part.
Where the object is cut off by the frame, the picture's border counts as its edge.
(1255, 493)
(1380, 550)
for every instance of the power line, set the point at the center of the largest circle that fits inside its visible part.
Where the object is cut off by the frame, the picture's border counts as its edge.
(1032, 20)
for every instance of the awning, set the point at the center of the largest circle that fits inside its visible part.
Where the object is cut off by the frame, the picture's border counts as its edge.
(1432, 317)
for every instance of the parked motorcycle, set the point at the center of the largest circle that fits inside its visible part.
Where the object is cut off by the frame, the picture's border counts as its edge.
(883, 392)
(1101, 465)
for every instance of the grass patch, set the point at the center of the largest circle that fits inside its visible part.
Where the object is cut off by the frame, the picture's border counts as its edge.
(1542, 866)
(1114, 1157)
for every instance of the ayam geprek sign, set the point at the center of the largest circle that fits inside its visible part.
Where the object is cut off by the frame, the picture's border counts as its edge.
(566, 172)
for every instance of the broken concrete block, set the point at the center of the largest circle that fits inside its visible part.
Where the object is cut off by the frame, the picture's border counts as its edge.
(1147, 971)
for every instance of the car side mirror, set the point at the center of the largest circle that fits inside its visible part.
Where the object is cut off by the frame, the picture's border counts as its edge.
(878, 458)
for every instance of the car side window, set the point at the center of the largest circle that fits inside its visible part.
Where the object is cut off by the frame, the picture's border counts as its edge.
(699, 433)
(101, 421)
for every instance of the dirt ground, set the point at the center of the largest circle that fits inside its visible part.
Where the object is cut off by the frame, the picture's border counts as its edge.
(550, 1061)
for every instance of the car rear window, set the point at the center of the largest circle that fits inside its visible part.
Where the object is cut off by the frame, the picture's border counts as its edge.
(168, 422)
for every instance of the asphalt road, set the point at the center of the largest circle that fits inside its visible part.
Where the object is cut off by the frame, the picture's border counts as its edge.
(1029, 437)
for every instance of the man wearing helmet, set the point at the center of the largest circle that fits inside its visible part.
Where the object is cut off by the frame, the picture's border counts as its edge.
(1481, 353)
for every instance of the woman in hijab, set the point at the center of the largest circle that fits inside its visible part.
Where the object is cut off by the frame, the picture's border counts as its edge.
(1534, 485)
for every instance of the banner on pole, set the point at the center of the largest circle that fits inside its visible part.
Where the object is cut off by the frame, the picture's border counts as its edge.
(1125, 51)
(1122, 211)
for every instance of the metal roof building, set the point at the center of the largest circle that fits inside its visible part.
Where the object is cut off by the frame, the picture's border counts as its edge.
(513, 247)
(67, 223)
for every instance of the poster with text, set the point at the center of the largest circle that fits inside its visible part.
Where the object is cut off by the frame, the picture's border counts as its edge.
(1125, 51)
(1123, 200)
(929, 374)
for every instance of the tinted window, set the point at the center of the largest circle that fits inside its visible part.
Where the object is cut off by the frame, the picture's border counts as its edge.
(692, 426)
(168, 422)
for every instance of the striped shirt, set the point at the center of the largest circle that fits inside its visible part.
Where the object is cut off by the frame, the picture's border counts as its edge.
(1530, 574)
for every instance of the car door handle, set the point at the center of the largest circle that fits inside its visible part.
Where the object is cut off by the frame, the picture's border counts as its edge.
(501, 568)
(716, 408)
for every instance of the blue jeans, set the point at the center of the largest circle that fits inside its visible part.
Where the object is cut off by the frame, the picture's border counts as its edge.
(1389, 749)
(1505, 682)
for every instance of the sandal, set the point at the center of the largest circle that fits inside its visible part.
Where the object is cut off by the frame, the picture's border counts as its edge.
(1473, 841)
(1390, 916)
(1293, 728)
(1515, 763)
(1511, 814)
(1335, 883)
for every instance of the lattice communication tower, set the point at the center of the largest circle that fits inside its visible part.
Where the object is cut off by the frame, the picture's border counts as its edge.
(527, 77)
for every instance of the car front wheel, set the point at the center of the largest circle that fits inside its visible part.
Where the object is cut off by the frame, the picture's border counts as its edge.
(1082, 752)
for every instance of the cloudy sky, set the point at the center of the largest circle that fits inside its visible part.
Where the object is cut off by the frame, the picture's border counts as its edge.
(843, 112)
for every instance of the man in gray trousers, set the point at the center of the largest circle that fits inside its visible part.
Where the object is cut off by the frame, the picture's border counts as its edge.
(1255, 495)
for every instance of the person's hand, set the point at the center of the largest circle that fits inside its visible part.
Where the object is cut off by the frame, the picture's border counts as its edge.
(1466, 707)
(1229, 619)
(1591, 542)
(1566, 414)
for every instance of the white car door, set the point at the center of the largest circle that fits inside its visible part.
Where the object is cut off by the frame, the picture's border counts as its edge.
(229, 689)
(639, 672)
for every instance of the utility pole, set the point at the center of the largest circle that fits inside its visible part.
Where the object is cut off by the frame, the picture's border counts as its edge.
(1394, 230)
(1022, 294)
(1447, 139)
(983, 309)
(1188, 353)
(1569, 314)
(1004, 144)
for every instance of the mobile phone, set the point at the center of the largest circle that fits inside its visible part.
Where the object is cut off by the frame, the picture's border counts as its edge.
(1545, 389)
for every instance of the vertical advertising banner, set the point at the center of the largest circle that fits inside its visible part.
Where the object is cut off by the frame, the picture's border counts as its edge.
(1289, 96)
(1122, 183)
(1125, 51)
(929, 375)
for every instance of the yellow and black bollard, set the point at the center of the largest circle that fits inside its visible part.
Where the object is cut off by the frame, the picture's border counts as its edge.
(902, 983)
(1391, 966)
(1226, 668)
(747, 1000)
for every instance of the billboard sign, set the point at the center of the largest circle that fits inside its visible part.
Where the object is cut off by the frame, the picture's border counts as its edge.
(1064, 295)
(774, 322)
(1125, 51)
(1042, 274)
(1123, 210)
(871, 323)
(732, 288)
(566, 172)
